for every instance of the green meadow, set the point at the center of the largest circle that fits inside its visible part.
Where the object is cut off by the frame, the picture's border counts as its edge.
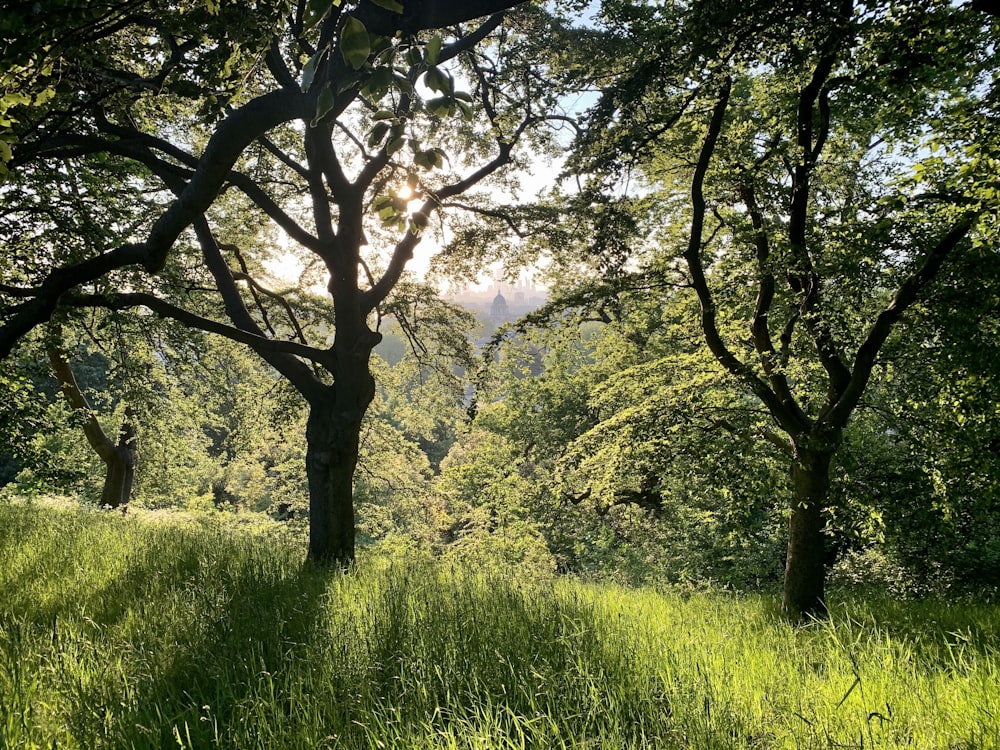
(146, 631)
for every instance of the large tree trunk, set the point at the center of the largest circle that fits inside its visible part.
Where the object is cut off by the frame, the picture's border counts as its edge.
(332, 441)
(805, 567)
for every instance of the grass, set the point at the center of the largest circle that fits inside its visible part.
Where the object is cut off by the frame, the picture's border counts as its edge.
(119, 632)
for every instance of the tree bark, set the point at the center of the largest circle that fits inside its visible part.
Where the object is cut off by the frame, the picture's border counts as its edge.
(333, 435)
(805, 566)
(120, 466)
(428, 14)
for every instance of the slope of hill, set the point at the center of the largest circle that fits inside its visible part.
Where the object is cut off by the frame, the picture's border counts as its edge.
(120, 632)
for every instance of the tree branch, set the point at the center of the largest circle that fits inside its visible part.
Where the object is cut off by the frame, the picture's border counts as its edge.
(909, 291)
(298, 374)
(427, 14)
(166, 309)
(403, 252)
(788, 420)
(760, 327)
(92, 429)
(804, 280)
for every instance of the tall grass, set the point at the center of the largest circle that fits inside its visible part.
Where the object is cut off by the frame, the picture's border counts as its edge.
(119, 632)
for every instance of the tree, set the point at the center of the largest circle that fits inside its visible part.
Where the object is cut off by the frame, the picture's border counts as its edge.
(831, 162)
(119, 457)
(338, 103)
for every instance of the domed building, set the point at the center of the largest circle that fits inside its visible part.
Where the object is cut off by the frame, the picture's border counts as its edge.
(499, 312)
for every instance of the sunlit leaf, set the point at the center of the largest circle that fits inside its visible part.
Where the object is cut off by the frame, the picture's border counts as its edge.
(424, 160)
(309, 70)
(324, 104)
(378, 133)
(433, 50)
(378, 84)
(355, 44)
(395, 145)
(403, 83)
(438, 80)
(440, 106)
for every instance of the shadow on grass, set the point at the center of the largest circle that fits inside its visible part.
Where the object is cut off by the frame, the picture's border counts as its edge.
(229, 647)
(149, 635)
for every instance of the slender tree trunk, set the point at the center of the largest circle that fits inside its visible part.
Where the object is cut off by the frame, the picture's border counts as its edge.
(119, 460)
(332, 441)
(805, 567)
(119, 465)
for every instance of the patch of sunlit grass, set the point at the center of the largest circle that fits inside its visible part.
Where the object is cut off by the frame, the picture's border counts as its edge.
(117, 633)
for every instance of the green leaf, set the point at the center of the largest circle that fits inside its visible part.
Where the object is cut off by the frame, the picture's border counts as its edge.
(433, 50)
(382, 202)
(309, 70)
(438, 80)
(403, 84)
(386, 207)
(424, 160)
(387, 55)
(432, 158)
(316, 10)
(395, 145)
(392, 5)
(440, 106)
(378, 84)
(378, 133)
(324, 104)
(355, 45)
(347, 81)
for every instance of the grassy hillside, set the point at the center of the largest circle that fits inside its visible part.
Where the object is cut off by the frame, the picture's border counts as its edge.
(120, 632)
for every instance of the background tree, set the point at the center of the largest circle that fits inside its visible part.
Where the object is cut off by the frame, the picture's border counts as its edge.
(119, 456)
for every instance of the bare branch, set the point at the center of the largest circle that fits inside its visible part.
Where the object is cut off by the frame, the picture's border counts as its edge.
(298, 374)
